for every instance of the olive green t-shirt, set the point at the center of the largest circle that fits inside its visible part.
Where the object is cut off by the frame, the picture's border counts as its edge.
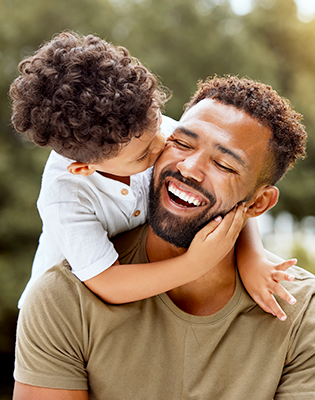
(68, 338)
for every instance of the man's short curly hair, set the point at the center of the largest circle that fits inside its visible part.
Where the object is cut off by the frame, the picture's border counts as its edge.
(84, 97)
(260, 101)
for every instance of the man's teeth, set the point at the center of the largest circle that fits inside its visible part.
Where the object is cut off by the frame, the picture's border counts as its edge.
(184, 196)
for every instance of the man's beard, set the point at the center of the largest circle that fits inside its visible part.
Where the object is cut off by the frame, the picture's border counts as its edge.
(176, 230)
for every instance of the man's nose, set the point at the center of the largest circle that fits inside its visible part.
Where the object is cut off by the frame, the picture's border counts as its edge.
(192, 167)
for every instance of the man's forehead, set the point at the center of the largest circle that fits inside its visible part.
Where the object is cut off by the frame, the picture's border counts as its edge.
(214, 108)
(228, 119)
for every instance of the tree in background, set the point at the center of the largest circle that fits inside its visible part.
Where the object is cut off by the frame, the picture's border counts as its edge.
(179, 40)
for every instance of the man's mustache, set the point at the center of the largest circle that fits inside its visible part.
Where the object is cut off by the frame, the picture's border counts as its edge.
(189, 182)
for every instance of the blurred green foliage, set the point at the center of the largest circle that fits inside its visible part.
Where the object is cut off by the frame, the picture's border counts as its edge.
(305, 258)
(181, 41)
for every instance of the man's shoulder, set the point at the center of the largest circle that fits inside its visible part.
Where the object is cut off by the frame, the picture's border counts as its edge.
(303, 286)
(299, 272)
(58, 297)
(56, 284)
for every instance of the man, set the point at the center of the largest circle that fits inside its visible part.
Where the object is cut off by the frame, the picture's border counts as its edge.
(204, 340)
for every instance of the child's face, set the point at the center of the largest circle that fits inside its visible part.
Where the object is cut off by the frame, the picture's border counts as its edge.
(140, 154)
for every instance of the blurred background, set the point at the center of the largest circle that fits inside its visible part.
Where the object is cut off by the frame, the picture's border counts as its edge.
(181, 41)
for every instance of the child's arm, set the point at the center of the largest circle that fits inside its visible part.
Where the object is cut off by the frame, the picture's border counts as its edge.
(260, 276)
(126, 283)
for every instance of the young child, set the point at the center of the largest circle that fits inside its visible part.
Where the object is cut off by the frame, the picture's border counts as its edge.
(98, 108)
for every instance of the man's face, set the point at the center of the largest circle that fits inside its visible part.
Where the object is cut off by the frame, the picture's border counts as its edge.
(211, 163)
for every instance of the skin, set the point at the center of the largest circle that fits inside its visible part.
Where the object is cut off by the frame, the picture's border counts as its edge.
(200, 149)
(27, 392)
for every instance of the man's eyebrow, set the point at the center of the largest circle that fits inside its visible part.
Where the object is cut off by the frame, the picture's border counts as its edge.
(231, 153)
(187, 132)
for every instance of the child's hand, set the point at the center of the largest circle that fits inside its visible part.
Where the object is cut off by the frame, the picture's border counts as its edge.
(212, 243)
(263, 282)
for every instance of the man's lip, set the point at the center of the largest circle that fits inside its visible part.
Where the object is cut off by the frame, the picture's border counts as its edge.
(185, 192)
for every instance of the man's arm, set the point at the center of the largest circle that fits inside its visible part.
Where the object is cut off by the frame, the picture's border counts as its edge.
(27, 392)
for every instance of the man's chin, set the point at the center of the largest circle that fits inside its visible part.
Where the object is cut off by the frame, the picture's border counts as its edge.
(176, 230)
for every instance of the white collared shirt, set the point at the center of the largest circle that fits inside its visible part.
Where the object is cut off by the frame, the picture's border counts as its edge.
(80, 214)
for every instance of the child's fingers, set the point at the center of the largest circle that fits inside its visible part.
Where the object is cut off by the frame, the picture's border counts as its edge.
(284, 294)
(286, 264)
(209, 228)
(237, 222)
(264, 306)
(232, 222)
(282, 276)
(230, 226)
(272, 305)
(212, 225)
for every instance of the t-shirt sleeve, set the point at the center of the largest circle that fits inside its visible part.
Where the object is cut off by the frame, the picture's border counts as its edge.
(49, 345)
(298, 377)
(81, 237)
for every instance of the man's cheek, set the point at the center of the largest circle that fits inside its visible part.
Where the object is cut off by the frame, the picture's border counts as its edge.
(171, 152)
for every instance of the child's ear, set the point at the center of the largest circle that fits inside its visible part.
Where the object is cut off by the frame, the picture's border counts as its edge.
(77, 168)
(264, 199)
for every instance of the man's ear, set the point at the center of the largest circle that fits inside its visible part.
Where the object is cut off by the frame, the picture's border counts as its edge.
(264, 199)
(77, 168)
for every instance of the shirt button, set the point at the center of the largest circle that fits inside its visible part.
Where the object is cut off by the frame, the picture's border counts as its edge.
(124, 192)
(136, 213)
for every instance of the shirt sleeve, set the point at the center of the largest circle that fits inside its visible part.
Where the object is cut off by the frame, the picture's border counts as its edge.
(49, 345)
(298, 377)
(81, 237)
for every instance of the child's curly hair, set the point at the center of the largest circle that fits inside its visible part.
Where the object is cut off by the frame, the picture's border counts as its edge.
(84, 97)
(288, 140)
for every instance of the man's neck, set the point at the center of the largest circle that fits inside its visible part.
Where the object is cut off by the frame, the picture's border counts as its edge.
(204, 296)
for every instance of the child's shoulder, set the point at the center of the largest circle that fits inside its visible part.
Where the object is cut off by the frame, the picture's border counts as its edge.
(58, 185)
(56, 170)
(57, 162)
(55, 167)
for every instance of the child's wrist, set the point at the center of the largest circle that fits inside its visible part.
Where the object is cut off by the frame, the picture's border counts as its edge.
(251, 257)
